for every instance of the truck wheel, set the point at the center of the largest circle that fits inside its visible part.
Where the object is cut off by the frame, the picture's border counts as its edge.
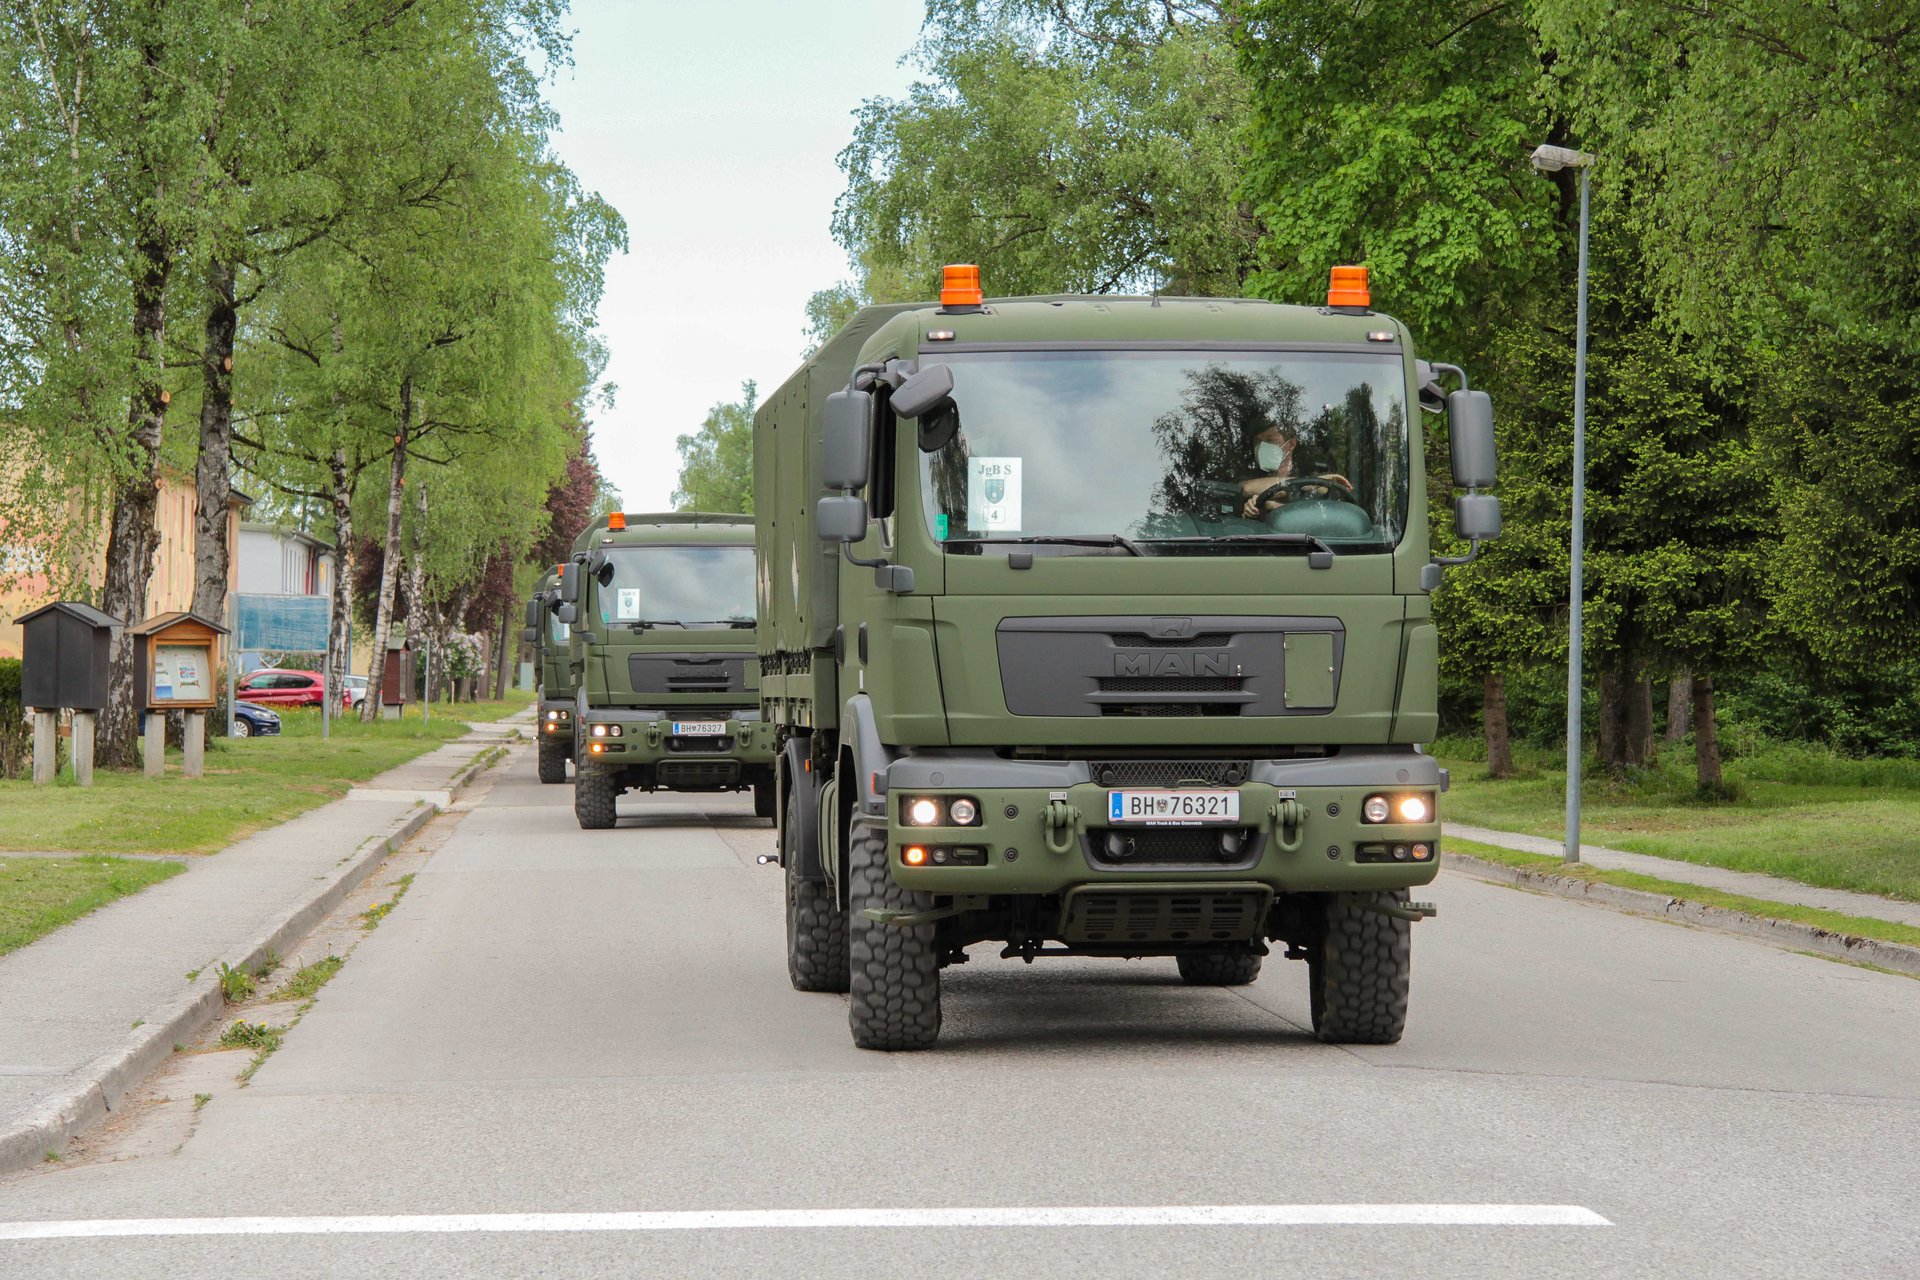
(816, 927)
(593, 795)
(1212, 969)
(553, 761)
(1359, 977)
(763, 798)
(894, 979)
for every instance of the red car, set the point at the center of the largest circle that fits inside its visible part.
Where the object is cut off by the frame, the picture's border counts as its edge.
(281, 688)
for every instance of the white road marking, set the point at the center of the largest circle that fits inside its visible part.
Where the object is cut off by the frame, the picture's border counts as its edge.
(1199, 1215)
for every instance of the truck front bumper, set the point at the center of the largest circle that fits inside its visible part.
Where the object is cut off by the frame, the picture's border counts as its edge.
(618, 738)
(555, 719)
(1047, 827)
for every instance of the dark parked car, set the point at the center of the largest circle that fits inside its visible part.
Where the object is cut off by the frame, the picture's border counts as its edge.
(250, 721)
(281, 688)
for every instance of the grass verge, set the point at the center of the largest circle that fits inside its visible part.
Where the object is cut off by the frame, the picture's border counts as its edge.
(250, 784)
(1798, 813)
(1831, 921)
(38, 895)
(307, 981)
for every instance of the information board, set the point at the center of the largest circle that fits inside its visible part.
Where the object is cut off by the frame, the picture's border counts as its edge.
(288, 624)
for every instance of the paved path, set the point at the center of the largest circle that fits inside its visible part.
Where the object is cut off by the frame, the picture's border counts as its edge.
(76, 997)
(1749, 883)
(557, 1022)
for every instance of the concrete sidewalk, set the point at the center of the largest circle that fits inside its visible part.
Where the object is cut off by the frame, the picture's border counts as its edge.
(1746, 883)
(89, 1009)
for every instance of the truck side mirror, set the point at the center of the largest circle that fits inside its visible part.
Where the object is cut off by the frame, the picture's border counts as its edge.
(533, 614)
(846, 441)
(840, 519)
(923, 392)
(529, 634)
(566, 612)
(1477, 516)
(570, 584)
(1470, 427)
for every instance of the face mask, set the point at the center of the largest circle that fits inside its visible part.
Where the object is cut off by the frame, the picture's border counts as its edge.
(1268, 456)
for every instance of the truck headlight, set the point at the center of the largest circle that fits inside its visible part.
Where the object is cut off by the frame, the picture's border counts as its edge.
(1400, 807)
(1376, 809)
(1415, 808)
(924, 812)
(964, 812)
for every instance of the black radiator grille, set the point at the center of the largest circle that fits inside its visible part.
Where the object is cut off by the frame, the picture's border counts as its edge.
(1174, 846)
(1169, 773)
(1169, 709)
(1141, 640)
(1171, 684)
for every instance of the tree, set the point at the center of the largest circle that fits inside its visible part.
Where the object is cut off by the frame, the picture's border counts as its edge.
(1086, 147)
(716, 462)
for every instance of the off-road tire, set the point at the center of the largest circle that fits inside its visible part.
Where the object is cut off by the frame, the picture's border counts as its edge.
(1212, 969)
(594, 793)
(1360, 971)
(763, 799)
(553, 761)
(894, 979)
(816, 926)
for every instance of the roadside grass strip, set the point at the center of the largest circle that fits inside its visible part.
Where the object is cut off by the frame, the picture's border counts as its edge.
(1831, 921)
(38, 895)
(1202, 1215)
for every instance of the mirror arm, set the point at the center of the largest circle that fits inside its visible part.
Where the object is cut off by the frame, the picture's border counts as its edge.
(1454, 369)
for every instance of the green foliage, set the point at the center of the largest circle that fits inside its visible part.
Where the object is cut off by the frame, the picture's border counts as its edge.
(236, 985)
(1088, 147)
(716, 462)
(307, 981)
(252, 1035)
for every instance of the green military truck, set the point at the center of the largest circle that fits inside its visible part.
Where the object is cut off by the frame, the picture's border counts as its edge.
(663, 661)
(1100, 626)
(548, 635)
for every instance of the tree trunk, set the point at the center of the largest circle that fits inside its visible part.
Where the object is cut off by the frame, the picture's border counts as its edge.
(1610, 733)
(1636, 738)
(134, 535)
(503, 654)
(1493, 718)
(1679, 707)
(418, 619)
(340, 496)
(212, 485)
(1706, 737)
(390, 567)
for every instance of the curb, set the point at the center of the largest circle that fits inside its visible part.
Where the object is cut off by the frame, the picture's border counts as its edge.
(92, 1092)
(1789, 934)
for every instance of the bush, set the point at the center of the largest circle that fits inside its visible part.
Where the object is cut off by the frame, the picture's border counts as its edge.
(16, 734)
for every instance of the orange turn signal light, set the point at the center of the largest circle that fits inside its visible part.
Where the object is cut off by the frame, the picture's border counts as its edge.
(913, 855)
(1348, 288)
(960, 286)
(616, 520)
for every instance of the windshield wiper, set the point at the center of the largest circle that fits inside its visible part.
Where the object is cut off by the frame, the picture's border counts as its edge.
(1308, 540)
(1128, 545)
(644, 623)
(719, 622)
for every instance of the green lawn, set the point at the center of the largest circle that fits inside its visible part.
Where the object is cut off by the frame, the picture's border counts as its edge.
(1800, 813)
(250, 784)
(38, 895)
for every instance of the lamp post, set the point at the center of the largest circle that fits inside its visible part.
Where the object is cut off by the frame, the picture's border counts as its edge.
(1550, 159)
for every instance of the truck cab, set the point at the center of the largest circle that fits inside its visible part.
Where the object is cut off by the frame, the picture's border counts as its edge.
(554, 712)
(1100, 626)
(663, 660)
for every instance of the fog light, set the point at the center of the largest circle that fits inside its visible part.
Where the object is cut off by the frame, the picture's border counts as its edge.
(1415, 809)
(1375, 809)
(1422, 852)
(964, 812)
(599, 731)
(913, 855)
(597, 748)
(923, 812)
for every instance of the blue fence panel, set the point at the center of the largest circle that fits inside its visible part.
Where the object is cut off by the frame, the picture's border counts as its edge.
(289, 623)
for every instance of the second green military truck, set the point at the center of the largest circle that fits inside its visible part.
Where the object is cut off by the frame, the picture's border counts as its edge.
(1100, 626)
(663, 661)
(548, 635)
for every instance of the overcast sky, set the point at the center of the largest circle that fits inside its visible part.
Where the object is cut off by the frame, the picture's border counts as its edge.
(712, 126)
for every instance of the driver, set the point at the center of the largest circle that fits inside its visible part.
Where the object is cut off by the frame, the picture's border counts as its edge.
(1278, 456)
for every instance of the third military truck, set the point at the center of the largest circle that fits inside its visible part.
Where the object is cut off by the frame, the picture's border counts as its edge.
(549, 638)
(662, 660)
(1097, 626)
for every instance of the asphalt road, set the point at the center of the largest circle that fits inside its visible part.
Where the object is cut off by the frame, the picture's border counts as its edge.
(562, 1022)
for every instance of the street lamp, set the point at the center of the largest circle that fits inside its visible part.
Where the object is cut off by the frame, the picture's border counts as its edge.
(1550, 159)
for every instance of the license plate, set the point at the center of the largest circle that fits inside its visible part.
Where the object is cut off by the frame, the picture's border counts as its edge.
(699, 728)
(1173, 808)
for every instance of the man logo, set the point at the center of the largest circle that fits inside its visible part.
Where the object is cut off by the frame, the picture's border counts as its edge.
(1173, 662)
(1170, 628)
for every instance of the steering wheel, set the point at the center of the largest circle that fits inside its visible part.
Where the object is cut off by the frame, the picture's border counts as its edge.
(1298, 484)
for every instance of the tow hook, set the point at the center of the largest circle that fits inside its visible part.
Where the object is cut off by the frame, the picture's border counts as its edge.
(768, 859)
(1289, 818)
(1064, 821)
(653, 734)
(1415, 911)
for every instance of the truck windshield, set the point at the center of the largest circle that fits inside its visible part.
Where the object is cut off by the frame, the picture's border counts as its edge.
(669, 586)
(1177, 452)
(557, 631)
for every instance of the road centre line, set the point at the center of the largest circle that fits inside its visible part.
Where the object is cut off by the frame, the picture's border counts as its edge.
(1205, 1215)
